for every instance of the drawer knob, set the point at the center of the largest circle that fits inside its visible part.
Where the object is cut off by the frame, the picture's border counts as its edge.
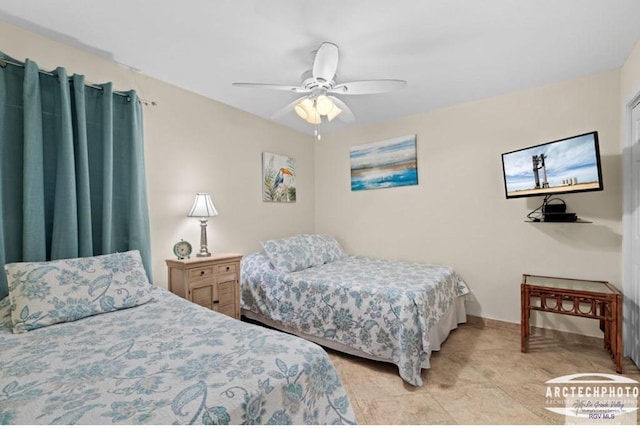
(202, 273)
(228, 268)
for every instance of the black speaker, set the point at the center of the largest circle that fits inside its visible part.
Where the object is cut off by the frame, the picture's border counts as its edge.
(554, 208)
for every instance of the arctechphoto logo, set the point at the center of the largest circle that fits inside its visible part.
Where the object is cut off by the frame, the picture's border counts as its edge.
(593, 398)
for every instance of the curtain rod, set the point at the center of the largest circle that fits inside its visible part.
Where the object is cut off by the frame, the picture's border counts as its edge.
(5, 61)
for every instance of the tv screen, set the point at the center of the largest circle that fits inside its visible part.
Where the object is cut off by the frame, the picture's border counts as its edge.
(563, 166)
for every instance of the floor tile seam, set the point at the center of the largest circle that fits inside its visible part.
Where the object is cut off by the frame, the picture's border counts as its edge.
(465, 363)
(453, 417)
(480, 366)
(444, 410)
(528, 406)
(483, 347)
(498, 388)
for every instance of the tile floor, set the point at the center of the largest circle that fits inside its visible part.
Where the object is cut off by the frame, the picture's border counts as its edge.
(478, 377)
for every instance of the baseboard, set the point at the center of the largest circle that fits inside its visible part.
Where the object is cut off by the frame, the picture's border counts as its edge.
(492, 323)
(534, 331)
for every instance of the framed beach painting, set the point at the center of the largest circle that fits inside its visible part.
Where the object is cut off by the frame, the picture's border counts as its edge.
(384, 164)
(278, 178)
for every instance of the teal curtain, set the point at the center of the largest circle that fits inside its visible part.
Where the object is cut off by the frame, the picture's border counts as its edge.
(72, 178)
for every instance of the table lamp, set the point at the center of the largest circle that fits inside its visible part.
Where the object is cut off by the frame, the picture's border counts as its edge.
(203, 208)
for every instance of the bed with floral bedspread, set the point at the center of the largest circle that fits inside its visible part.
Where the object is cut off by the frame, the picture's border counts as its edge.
(375, 308)
(156, 360)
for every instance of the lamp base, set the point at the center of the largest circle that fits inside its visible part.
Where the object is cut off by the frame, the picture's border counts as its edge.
(204, 250)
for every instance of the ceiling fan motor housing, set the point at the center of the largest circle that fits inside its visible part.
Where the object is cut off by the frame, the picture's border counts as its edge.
(316, 84)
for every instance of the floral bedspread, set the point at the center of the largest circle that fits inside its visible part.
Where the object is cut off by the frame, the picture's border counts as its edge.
(383, 308)
(165, 362)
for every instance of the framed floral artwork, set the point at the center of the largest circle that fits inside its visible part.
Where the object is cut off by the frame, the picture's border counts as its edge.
(278, 178)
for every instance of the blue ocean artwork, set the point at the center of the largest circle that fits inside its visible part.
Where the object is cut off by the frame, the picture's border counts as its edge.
(384, 164)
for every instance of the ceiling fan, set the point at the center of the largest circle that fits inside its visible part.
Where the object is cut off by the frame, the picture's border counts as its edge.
(319, 87)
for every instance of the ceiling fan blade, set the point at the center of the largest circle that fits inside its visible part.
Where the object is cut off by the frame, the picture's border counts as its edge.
(325, 63)
(288, 108)
(368, 87)
(277, 87)
(346, 115)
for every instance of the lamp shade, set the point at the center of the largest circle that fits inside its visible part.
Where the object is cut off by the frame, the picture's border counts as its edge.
(203, 206)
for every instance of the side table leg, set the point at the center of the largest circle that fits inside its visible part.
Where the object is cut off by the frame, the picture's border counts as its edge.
(616, 347)
(524, 318)
(607, 312)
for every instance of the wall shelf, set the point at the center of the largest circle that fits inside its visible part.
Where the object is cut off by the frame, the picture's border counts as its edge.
(572, 221)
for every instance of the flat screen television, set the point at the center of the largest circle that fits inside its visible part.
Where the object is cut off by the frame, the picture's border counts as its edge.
(563, 166)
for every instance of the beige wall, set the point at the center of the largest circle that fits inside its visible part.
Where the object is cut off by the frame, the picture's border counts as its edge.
(630, 76)
(194, 144)
(458, 214)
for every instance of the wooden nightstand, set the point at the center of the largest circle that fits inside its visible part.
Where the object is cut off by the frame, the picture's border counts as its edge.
(213, 282)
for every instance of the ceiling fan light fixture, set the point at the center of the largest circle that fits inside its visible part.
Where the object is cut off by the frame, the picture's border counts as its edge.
(333, 113)
(305, 109)
(324, 105)
(300, 111)
(314, 117)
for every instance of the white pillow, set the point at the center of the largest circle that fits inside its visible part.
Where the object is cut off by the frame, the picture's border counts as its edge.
(325, 248)
(302, 251)
(289, 254)
(46, 293)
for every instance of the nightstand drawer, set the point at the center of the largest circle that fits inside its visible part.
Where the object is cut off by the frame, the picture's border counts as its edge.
(202, 273)
(223, 278)
(225, 268)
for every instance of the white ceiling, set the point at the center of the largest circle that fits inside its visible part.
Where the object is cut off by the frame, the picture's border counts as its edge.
(448, 51)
